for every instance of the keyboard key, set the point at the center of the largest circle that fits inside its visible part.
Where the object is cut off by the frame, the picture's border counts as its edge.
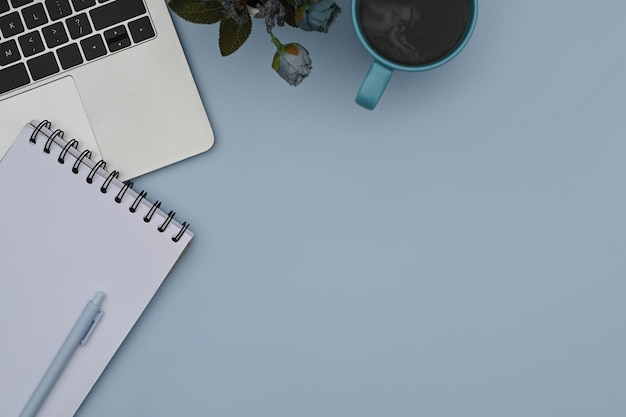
(118, 44)
(9, 53)
(13, 77)
(93, 47)
(34, 16)
(115, 12)
(31, 43)
(4, 6)
(83, 4)
(55, 35)
(20, 3)
(43, 66)
(117, 38)
(69, 56)
(78, 26)
(141, 29)
(11, 25)
(58, 9)
(117, 32)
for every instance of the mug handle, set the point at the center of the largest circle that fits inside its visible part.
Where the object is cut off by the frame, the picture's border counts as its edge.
(373, 85)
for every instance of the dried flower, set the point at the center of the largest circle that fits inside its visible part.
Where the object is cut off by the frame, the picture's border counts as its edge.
(273, 12)
(291, 61)
(317, 16)
(235, 10)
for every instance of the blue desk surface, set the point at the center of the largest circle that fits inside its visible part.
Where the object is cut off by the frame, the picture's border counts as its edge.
(459, 251)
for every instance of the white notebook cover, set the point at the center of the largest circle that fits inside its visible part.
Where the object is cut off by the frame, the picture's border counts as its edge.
(62, 240)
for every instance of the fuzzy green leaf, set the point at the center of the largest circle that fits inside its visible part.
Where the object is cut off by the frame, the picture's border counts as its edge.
(290, 13)
(233, 35)
(197, 11)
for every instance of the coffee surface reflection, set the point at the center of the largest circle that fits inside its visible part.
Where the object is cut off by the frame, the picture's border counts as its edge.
(413, 32)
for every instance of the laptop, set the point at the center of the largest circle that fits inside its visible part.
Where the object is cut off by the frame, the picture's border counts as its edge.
(118, 64)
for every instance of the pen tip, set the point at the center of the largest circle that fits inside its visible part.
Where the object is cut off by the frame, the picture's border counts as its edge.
(97, 299)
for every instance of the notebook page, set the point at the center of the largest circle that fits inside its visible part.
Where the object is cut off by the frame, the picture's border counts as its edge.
(62, 241)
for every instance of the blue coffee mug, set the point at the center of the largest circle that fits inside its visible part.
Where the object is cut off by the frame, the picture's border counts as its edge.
(381, 69)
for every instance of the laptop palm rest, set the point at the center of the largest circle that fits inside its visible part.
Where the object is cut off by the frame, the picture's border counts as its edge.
(57, 101)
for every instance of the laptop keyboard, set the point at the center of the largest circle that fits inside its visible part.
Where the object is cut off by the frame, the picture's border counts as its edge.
(45, 37)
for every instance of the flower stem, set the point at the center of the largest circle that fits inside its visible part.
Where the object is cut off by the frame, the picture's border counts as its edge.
(276, 42)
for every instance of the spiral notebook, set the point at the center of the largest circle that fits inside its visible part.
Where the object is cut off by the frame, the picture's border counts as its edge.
(69, 228)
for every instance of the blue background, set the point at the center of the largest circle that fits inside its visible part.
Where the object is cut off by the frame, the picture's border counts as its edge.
(459, 251)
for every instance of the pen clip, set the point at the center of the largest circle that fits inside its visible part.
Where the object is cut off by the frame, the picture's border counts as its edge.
(94, 322)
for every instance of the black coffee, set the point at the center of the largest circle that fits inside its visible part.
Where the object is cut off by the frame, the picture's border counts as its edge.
(413, 32)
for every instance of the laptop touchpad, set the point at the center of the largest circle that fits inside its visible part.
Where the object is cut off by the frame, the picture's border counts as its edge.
(58, 102)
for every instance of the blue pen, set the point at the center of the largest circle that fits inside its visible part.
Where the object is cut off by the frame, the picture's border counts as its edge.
(78, 336)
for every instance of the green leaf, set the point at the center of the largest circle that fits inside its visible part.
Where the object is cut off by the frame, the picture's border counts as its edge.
(290, 13)
(197, 11)
(233, 35)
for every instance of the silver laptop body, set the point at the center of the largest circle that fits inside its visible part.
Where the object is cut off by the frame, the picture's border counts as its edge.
(128, 67)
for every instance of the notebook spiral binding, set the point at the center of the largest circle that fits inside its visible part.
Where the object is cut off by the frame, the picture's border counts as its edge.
(86, 154)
